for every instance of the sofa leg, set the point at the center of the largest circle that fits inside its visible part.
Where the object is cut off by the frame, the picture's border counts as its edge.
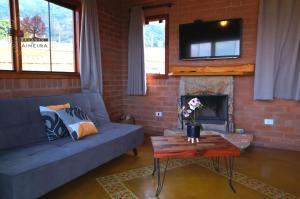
(135, 151)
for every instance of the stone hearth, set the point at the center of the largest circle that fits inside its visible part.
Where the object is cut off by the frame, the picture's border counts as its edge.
(210, 85)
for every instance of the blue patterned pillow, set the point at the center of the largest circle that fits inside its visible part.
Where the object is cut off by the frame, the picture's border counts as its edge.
(55, 127)
(78, 123)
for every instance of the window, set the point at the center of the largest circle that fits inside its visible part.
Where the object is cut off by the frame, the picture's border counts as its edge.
(6, 58)
(42, 38)
(156, 47)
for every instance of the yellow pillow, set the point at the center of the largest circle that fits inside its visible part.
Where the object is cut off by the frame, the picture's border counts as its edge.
(85, 129)
(59, 106)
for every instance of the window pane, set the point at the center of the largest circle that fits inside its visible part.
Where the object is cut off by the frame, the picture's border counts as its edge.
(5, 39)
(201, 50)
(35, 43)
(227, 48)
(155, 47)
(47, 44)
(62, 46)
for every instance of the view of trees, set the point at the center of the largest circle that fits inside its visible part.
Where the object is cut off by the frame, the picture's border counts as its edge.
(4, 19)
(154, 39)
(155, 35)
(42, 22)
(4, 28)
(33, 27)
(34, 20)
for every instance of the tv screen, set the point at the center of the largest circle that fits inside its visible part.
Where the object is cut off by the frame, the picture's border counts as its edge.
(210, 40)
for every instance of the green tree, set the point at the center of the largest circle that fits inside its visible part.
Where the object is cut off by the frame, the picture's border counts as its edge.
(4, 29)
(155, 35)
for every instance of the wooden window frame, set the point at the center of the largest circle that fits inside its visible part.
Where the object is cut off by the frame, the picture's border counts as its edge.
(17, 72)
(156, 18)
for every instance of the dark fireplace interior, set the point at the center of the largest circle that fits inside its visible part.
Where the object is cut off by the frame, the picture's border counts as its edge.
(215, 109)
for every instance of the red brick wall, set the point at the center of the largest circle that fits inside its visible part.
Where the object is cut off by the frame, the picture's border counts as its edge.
(162, 96)
(248, 113)
(111, 50)
(10, 88)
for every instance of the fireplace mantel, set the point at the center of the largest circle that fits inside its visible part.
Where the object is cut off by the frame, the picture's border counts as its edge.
(246, 69)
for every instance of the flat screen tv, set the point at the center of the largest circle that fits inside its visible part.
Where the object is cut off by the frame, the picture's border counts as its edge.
(210, 39)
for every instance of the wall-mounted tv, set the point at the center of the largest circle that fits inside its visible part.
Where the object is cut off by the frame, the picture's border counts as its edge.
(210, 39)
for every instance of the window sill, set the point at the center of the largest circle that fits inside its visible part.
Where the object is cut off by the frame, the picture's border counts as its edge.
(38, 75)
(157, 76)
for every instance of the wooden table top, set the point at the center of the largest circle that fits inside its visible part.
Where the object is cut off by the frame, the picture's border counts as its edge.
(179, 147)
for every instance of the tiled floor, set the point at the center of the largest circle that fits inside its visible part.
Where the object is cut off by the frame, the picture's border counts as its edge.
(260, 173)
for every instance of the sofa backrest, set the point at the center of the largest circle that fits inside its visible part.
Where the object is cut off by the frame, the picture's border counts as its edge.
(21, 123)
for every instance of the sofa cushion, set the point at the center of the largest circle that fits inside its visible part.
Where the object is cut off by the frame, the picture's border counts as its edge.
(25, 168)
(21, 123)
(78, 123)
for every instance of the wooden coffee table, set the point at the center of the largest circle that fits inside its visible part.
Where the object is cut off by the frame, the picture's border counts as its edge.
(210, 146)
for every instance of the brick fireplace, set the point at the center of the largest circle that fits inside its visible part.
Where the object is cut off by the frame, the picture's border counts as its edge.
(214, 115)
(216, 93)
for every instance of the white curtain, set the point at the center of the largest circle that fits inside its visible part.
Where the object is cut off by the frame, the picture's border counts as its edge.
(136, 65)
(277, 72)
(90, 51)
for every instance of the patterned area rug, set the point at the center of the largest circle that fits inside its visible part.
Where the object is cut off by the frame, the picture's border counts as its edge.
(116, 189)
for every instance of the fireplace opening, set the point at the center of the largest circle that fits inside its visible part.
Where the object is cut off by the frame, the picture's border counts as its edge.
(214, 115)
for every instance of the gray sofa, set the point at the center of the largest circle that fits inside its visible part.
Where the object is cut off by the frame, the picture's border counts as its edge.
(31, 166)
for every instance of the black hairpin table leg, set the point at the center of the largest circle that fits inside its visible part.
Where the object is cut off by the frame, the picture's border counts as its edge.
(215, 162)
(154, 166)
(160, 183)
(229, 162)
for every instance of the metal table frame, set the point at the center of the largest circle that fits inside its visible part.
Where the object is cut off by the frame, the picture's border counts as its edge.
(215, 162)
